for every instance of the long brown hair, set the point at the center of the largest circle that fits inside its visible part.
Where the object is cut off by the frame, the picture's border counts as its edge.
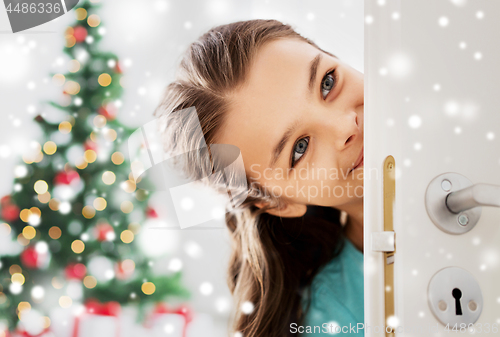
(273, 259)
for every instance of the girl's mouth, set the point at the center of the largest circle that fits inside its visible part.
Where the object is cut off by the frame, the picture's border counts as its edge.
(361, 163)
(361, 160)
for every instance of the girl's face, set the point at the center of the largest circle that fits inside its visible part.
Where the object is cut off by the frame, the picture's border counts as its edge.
(298, 121)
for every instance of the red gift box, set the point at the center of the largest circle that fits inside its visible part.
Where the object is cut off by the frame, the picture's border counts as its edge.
(163, 309)
(93, 309)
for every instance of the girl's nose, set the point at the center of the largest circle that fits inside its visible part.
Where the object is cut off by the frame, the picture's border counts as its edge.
(344, 130)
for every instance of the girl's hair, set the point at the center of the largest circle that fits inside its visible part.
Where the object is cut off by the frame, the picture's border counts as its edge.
(273, 259)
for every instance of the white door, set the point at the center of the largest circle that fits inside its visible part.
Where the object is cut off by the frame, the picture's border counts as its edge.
(432, 96)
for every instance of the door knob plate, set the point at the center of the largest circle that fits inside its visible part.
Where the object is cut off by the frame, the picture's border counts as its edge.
(451, 287)
(435, 204)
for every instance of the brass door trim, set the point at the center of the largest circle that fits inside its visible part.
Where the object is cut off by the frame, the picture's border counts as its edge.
(389, 182)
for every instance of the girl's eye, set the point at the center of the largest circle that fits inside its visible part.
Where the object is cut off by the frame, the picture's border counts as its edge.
(328, 83)
(299, 149)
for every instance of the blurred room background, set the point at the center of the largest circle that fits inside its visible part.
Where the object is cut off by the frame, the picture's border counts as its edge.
(149, 37)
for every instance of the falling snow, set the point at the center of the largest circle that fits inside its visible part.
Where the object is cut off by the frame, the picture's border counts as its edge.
(247, 307)
(415, 121)
(206, 288)
(443, 21)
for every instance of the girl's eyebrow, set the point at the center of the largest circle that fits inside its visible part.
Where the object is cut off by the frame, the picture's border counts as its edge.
(276, 152)
(278, 148)
(312, 71)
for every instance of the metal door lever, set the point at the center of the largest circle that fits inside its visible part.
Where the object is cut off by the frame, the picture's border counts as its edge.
(454, 204)
(473, 196)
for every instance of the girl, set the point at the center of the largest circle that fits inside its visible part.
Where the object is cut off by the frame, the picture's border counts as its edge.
(295, 112)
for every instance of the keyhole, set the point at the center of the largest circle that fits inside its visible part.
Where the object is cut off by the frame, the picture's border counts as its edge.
(457, 294)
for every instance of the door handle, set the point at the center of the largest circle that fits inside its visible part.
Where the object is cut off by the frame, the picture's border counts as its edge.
(473, 196)
(454, 203)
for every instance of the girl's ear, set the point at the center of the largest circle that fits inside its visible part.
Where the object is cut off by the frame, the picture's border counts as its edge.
(293, 210)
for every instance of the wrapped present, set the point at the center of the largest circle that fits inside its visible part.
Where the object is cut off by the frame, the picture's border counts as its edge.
(32, 323)
(168, 321)
(98, 319)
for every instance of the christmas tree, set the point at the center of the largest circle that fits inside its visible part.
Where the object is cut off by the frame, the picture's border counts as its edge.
(75, 210)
